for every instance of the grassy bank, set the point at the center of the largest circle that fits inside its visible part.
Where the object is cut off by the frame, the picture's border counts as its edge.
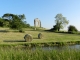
(45, 44)
(38, 54)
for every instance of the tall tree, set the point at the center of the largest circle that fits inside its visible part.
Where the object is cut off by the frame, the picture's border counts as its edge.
(60, 21)
(1, 22)
(15, 21)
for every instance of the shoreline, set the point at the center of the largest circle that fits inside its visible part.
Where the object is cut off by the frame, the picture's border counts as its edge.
(44, 44)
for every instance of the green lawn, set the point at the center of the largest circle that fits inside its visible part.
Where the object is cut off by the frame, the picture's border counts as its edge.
(47, 37)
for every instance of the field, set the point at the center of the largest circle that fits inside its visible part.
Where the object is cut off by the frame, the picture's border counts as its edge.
(14, 37)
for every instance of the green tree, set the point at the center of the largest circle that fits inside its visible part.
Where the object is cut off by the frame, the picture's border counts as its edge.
(72, 29)
(1, 22)
(15, 21)
(60, 21)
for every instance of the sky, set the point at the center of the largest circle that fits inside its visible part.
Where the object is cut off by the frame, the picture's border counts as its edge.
(45, 10)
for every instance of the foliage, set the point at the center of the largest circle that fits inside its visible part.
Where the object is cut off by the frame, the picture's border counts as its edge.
(1, 22)
(72, 29)
(55, 27)
(13, 21)
(60, 22)
(25, 25)
(21, 30)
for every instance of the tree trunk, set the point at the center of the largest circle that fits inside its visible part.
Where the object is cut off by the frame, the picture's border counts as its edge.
(58, 29)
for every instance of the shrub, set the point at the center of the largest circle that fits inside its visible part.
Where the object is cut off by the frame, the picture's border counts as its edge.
(54, 28)
(22, 31)
(72, 29)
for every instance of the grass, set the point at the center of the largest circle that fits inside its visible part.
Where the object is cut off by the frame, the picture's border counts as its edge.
(17, 37)
(38, 54)
(13, 52)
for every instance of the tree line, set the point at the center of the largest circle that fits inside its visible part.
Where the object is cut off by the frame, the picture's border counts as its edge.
(13, 21)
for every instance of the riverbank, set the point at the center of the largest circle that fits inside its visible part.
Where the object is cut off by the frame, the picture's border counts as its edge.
(14, 47)
(46, 44)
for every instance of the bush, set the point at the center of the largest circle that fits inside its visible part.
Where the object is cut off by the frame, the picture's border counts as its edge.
(72, 29)
(54, 29)
(22, 31)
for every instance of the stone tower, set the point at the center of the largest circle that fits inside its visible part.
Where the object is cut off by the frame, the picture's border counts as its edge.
(37, 23)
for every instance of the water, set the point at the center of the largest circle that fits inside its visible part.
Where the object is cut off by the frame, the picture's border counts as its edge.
(77, 47)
